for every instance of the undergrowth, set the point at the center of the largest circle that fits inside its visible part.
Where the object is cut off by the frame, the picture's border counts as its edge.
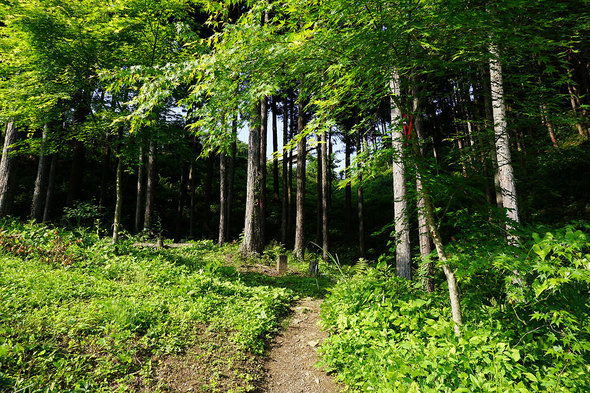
(79, 314)
(526, 316)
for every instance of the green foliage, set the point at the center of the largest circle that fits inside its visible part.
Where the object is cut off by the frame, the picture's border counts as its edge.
(532, 336)
(78, 313)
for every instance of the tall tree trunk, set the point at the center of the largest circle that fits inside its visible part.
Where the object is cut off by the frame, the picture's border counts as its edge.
(403, 260)
(222, 198)
(140, 196)
(40, 179)
(423, 235)
(290, 216)
(300, 202)
(7, 170)
(319, 192)
(284, 179)
(252, 242)
(50, 188)
(150, 187)
(119, 200)
(325, 196)
(205, 227)
(182, 191)
(329, 161)
(505, 171)
(192, 186)
(360, 202)
(232, 172)
(428, 210)
(104, 176)
(275, 149)
(263, 142)
(348, 186)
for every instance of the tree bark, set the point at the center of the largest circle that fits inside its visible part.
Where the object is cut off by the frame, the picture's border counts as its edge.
(7, 170)
(40, 179)
(284, 179)
(50, 188)
(192, 186)
(230, 181)
(150, 188)
(252, 242)
(182, 191)
(119, 200)
(347, 187)
(300, 199)
(325, 196)
(505, 170)
(222, 198)
(205, 227)
(263, 142)
(275, 149)
(456, 314)
(403, 259)
(319, 192)
(104, 177)
(360, 202)
(547, 123)
(139, 200)
(423, 235)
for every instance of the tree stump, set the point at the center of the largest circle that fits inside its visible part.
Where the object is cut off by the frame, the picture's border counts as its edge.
(282, 264)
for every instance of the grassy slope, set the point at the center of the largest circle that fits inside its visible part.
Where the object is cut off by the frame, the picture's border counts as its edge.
(128, 319)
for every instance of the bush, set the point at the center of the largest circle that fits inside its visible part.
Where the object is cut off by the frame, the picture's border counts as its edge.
(531, 335)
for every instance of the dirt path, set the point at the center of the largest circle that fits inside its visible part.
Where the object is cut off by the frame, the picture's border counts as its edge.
(292, 358)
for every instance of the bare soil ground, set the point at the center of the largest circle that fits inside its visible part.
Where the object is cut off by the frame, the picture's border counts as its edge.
(290, 367)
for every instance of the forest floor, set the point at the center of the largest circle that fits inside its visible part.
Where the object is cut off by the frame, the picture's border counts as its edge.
(291, 364)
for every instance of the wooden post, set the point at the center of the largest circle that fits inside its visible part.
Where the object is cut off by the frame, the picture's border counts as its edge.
(282, 264)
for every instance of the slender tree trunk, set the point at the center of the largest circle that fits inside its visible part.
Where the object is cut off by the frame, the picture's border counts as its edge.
(505, 171)
(347, 187)
(150, 187)
(292, 152)
(275, 148)
(7, 170)
(40, 180)
(192, 185)
(230, 181)
(205, 227)
(139, 208)
(329, 170)
(360, 203)
(300, 202)
(325, 196)
(252, 242)
(222, 198)
(104, 177)
(423, 235)
(119, 200)
(263, 142)
(284, 179)
(319, 192)
(50, 188)
(428, 210)
(403, 258)
(547, 123)
(182, 191)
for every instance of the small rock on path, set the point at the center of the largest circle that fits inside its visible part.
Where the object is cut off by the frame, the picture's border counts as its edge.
(293, 355)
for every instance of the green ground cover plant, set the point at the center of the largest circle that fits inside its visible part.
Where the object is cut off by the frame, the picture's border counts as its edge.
(78, 314)
(526, 322)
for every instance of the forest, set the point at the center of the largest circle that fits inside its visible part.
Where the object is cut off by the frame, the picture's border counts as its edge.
(419, 163)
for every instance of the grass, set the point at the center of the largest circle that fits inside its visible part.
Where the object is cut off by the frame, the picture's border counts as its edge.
(80, 315)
